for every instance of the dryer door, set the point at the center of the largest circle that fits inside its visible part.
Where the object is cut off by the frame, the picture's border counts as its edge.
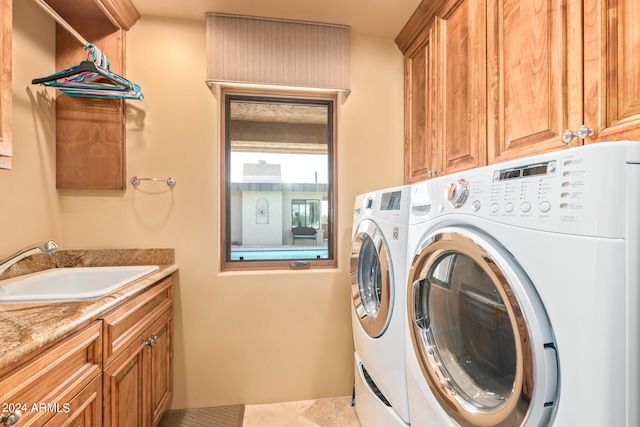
(480, 332)
(371, 278)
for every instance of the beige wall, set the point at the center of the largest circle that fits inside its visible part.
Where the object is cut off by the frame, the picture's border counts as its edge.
(239, 337)
(29, 206)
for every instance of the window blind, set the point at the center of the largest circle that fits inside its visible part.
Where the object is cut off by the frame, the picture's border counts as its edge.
(265, 51)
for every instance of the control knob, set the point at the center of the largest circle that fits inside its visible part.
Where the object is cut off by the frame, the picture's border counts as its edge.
(457, 192)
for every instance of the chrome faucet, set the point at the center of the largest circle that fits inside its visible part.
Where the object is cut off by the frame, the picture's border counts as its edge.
(42, 247)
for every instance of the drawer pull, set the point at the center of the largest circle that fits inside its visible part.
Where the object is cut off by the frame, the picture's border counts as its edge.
(11, 419)
(152, 341)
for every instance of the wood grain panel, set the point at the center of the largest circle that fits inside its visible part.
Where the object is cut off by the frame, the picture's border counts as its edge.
(124, 393)
(90, 133)
(612, 69)
(537, 98)
(461, 98)
(161, 366)
(418, 157)
(123, 326)
(121, 13)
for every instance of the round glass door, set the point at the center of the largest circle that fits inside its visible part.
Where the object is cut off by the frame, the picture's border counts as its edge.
(472, 335)
(370, 278)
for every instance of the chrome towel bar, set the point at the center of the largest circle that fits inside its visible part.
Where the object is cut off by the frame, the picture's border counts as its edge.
(170, 181)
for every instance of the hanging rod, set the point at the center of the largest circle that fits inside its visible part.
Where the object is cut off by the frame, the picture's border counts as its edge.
(170, 181)
(51, 12)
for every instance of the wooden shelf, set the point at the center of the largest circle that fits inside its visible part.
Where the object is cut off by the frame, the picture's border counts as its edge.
(90, 133)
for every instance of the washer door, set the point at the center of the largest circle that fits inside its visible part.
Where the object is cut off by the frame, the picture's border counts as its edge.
(371, 278)
(480, 333)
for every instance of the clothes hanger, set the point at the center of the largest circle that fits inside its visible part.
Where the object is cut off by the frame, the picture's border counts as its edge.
(86, 75)
(91, 78)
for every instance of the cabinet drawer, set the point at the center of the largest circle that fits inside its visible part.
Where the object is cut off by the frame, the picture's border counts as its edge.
(83, 410)
(126, 324)
(46, 384)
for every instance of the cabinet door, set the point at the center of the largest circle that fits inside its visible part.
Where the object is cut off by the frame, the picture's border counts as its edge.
(160, 380)
(139, 382)
(461, 85)
(421, 160)
(125, 398)
(612, 69)
(534, 51)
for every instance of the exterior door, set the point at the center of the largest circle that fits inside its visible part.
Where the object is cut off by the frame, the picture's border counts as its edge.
(371, 276)
(480, 333)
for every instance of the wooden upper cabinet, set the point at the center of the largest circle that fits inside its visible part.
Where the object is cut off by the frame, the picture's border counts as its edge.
(534, 68)
(91, 133)
(421, 153)
(445, 92)
(494, 81)
(461, 92)
(559, 68)
(612, 69)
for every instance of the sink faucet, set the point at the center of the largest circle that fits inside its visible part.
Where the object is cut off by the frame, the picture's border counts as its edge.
(42, 247)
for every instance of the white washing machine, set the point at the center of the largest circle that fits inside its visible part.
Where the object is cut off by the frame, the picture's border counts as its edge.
(523, 295)
(378, 264)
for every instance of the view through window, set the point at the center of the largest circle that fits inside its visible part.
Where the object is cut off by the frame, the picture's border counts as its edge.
(279, 189)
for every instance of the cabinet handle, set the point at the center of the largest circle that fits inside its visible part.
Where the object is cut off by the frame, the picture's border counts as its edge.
(431, 174)
(152, 341)
(583, 133)
(11, 419)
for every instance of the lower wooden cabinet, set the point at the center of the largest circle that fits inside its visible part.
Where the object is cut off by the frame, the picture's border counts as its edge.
(58, 384)
(138, 379)
(138, 383)
(115, 372)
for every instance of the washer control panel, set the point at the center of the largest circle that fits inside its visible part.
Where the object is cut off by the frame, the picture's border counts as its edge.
(523, 189)
(579, 190)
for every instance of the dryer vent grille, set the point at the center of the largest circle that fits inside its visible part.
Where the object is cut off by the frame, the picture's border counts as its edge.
(372, 385)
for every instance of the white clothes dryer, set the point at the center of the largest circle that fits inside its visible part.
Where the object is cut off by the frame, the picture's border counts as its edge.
(378, 263)
(523, 295)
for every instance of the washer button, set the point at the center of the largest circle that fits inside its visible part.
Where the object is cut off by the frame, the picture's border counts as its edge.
(525, 207)
(494, 207)
(476, 206)
(545, 206)
(509, 207)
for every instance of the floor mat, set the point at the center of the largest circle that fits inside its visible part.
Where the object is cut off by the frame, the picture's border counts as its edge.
(219, 416)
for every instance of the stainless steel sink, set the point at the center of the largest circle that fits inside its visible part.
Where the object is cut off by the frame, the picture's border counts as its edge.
(70, 284)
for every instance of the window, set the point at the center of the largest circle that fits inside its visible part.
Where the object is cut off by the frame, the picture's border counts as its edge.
(305, 213)
(279, 180)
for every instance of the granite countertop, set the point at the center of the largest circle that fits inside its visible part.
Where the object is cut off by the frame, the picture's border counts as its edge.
(27, 327)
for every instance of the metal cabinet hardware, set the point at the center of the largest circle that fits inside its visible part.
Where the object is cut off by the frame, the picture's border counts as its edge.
(431, 174)
(152, 341)
(583, 133)
(11, 419)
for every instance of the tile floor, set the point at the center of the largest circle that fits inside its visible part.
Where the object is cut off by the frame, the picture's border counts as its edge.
(330, 412)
